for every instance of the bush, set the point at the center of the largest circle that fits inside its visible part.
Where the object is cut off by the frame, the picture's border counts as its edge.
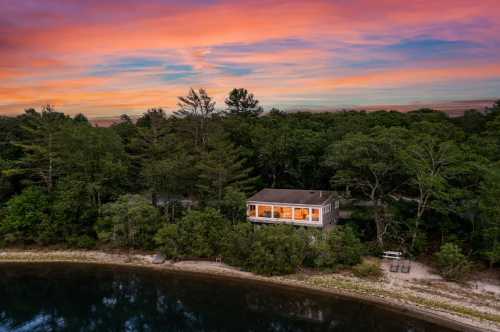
(237, 244)
(370, 270)
(277, 249)
(167, 240)
(198, 234)
(25, 216)
(81, 242)
(318, 252)
(345, 246)
(451, 262)
(131, 221)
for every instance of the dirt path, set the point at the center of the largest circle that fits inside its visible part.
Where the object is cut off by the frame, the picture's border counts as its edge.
(421, 293)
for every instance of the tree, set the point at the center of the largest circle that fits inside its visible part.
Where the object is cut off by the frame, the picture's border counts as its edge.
(494, 109)
(164, 161)
(40, 145)
(131, 221)
(237, 245)
(73, 212)
(451, 262)
(369, 164)
(490, 210)
(220, 167)
(233, 205)
(198, 234)
(167, 240)
(96, 158)
(25, 216)
(10, 154)
(197, 108)
(273, 150)
(277, 249)
(430, 163)
(241, 102)
(345, 246)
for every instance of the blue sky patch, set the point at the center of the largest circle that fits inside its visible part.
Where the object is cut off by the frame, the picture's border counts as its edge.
(425, 48)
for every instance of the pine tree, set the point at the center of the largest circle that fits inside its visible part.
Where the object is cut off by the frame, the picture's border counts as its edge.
(241, 102)
(220, 167)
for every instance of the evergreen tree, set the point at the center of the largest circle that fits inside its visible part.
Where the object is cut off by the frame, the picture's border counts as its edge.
(220, 167)
(40, 144)
(197, 108)
(241, 102)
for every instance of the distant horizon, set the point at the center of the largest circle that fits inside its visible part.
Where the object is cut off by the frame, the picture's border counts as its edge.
(452, 108)
(101, 59)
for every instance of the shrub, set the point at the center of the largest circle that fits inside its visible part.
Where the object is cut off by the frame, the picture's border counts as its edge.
(370, 270)
(131, 221)
(167, 240)
(237, 244)
(318, 253)
(233, 205)
(451, 262)
(345, 246)
(198, 234)
(24, 216)
(277, 249)
(81, 242)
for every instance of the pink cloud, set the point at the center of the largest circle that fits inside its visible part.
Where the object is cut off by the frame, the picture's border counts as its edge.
(50, 50)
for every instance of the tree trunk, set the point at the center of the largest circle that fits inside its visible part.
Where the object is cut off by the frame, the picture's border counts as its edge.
(415, 231)
(379, 218)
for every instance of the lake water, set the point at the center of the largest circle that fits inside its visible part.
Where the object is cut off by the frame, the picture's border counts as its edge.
(77, 297)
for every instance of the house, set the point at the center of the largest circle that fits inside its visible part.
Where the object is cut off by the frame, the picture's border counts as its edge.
(314, 208)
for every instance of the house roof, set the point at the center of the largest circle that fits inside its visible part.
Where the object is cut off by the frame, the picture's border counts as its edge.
(292, 196)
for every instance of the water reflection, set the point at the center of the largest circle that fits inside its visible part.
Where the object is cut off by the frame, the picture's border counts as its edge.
(64, 297)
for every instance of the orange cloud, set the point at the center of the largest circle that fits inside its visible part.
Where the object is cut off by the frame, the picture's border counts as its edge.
(50, 52)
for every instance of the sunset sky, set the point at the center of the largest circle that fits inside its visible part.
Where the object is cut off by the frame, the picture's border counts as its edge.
(108, 57)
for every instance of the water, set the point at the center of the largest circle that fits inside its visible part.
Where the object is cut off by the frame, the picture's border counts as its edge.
(75, 297)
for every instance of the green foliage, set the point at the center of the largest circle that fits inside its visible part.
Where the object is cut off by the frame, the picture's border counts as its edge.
(277, 249)
(167, 240)
(199, 234)
(339, 247)
(220, 167)
(73, 211)
(233, 205)
(451, 262)
(237, 245)
(242, 103)
(319, 254)
(26, 216)
(197, 108)
(81, 242)
(368, 270)
(345, 246)
(416, 178)
(131, 221)
(369, 163)
(490, 212)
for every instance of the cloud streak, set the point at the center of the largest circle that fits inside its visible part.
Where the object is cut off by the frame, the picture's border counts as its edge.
(103, 59)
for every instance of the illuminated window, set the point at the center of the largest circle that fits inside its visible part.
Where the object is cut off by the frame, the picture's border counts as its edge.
(251, 211)
(282, 212)
(264, 211)
(301, 214)
(315, 214)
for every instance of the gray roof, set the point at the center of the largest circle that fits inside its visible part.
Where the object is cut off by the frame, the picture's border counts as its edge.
(292, 196)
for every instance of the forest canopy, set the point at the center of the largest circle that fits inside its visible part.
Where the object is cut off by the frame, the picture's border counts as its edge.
(178, 181)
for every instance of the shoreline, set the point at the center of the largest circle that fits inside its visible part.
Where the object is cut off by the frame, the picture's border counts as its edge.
(338, 286)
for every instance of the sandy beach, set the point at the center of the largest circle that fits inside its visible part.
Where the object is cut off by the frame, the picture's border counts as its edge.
(422, 294)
